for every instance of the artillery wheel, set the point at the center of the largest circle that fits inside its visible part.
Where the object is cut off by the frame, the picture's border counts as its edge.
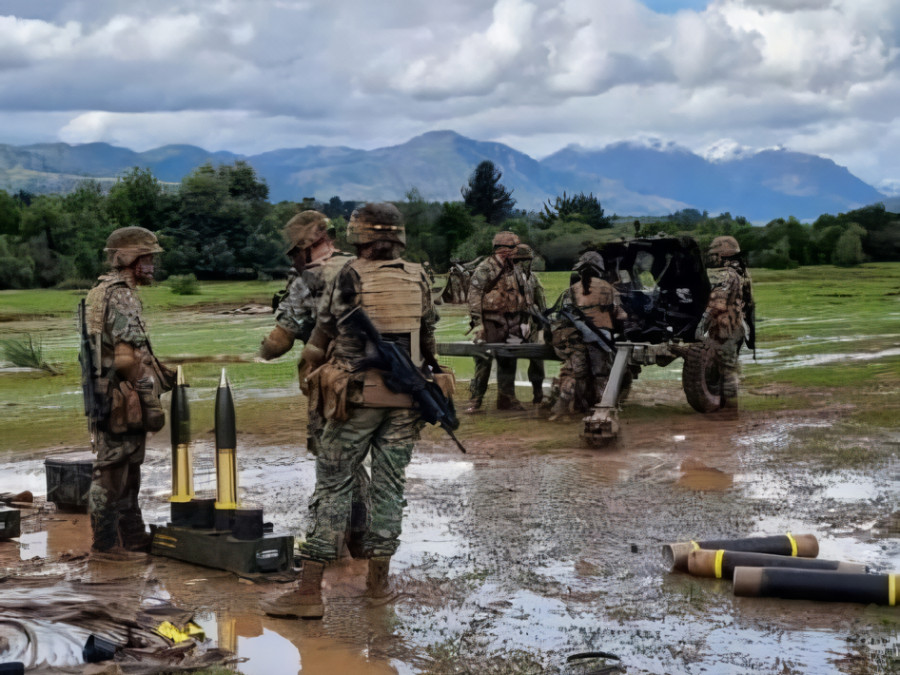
(700, 379)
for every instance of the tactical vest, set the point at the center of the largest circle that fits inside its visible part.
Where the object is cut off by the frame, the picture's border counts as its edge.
(726, 303)
(598, 304)
(391, 294)
(503, 295)
(96, 301)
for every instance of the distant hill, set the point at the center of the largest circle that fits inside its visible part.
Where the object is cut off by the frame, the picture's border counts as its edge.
(628, 178)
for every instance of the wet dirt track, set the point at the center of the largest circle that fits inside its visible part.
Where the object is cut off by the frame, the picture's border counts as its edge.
(514, 557)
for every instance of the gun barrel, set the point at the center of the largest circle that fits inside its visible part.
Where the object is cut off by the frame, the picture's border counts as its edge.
(226, 448)
(525, 350)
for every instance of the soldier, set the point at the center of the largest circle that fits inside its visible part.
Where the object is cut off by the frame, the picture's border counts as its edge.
(362, 413)
(723, 326)
(497, 310)
(134, 378)
(316, 262)
(585, 368)
(536, 303)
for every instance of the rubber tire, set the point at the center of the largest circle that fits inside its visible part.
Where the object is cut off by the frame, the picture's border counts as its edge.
(700, 379)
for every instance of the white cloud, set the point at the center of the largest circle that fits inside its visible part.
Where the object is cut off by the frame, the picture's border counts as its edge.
(814, 75)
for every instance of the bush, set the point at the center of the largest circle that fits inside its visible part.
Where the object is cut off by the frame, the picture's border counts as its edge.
(184, 284)
(75, 285)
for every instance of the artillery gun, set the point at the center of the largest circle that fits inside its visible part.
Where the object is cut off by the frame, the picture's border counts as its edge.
(664, 289)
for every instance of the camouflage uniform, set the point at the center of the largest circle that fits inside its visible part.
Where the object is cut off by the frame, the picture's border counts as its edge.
(585, 368)
(114, 313)
(496, 306)
(388, 432)
(535, 299)
(723, 323)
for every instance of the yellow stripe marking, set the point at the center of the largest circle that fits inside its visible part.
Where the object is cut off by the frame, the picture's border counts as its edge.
(695, 545)
(164, 536)
(793, 544)
(719, 555)
(892, 589)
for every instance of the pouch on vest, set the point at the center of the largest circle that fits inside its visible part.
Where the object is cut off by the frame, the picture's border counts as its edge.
(377, 395)
(328, 386)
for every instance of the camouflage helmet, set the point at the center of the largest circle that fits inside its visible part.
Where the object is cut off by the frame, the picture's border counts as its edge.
(127, 244)
(523, 252)
(505, 238)
(724, 247)
(591, 261)
(376, 222)
(305, 229)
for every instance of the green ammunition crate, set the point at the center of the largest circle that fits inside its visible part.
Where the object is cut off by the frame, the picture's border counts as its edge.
(69, 480)
(221, 550)
(10, 523)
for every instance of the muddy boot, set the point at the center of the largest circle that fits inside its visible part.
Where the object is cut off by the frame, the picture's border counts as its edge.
(560, 410)
(117, 554)
(378, 586)
(508, 403)
(137, 540)
(474, 405)
(305, 601)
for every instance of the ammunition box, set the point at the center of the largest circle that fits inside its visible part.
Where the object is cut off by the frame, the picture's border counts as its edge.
(222, 550)
(10, 523)
(69, 480)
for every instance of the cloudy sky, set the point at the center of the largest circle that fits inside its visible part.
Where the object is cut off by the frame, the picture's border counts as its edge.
(723, 76)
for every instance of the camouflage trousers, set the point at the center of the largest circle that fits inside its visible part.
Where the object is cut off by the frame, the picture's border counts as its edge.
(727, 359)
(583, 374)
(389, 434)
(358, 510)
(113, 498)
(506, 377)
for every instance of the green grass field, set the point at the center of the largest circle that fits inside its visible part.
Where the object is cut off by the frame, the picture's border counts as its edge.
(823, 331)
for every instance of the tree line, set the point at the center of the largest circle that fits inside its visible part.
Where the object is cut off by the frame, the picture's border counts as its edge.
(218, 223)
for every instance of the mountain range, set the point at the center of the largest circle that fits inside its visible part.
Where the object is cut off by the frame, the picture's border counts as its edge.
(629, 178)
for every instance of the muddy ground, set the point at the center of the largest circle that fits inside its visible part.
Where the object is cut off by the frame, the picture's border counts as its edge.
(530, 547)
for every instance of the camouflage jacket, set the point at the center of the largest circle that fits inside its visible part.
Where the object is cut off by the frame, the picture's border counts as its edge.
(298, 307)
(724, 314)
(494, 289)
(343, 292)
(115, 313)
(601, 304)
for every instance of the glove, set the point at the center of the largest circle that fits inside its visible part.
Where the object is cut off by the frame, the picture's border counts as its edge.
(276, 343)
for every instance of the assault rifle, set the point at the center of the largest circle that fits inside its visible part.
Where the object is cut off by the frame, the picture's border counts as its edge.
(96, 402)
(402, 376)
(591, 335)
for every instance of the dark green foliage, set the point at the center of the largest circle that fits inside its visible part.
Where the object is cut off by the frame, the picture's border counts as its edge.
(10, 214)
(184, 284)
(848, 251)
(581, 207)
(486, 196)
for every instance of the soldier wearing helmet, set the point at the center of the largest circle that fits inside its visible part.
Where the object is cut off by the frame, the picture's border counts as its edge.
(133, 378)
(723, 326)
(585, 369)
(362, 414)
(536, 304)
(498, 313)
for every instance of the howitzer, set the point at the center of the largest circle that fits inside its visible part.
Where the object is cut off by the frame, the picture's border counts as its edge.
(402, 376)
(96, 401)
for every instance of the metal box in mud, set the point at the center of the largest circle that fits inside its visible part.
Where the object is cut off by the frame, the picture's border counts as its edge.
(10, 523)
(220, 549)
(69, 480)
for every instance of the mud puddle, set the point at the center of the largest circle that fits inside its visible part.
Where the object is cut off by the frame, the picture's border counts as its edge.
(513, 558)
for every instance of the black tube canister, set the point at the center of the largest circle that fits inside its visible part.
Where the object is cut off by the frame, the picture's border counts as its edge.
(793, 584)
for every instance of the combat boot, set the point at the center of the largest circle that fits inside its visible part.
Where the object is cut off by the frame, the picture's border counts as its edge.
(474, 405)
(378, 584)
(305, 601)
(508, 403)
